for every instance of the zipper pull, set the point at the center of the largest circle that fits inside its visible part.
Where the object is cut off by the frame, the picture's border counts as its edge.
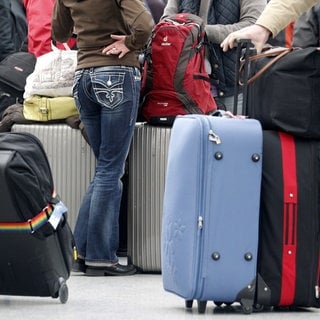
(75, 253)
(200, 222)
(213, 137)
(316, 287)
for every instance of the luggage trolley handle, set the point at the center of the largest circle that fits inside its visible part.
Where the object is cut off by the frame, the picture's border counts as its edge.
(244, 50)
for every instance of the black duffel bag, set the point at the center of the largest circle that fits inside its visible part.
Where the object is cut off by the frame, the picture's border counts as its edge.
(283, 90)
(14, 70)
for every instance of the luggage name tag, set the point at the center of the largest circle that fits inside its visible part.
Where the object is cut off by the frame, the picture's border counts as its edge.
(58, 211)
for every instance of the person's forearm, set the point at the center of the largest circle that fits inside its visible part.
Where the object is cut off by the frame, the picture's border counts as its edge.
(279, 13)
(250, 10)
(170, 8)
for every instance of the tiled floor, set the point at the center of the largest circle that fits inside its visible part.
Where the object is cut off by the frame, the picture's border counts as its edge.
(138, 297)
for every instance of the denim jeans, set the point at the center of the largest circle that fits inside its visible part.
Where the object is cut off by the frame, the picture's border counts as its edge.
(107, 99)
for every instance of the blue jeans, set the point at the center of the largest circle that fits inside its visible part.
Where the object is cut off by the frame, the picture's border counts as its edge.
(107, 99)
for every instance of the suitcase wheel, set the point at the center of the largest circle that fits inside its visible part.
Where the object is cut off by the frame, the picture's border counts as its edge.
(247, 309)
(189, 304)
(202, 305)
(247, 305)
(258, 307)
(63, 291)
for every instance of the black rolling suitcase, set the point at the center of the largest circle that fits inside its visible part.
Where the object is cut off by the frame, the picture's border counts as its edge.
(289, 245)
(36, 242)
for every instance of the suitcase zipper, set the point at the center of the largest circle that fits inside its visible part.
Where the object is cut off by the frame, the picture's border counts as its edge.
(315, 155)
(201, 215)
(317, 284)
(316, 289)
(214, 137)
(200, 222)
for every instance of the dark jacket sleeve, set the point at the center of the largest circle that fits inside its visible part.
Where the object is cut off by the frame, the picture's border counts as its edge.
(306, 29)
(6, 41)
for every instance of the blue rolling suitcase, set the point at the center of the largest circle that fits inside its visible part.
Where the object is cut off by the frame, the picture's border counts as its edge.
(210, 219)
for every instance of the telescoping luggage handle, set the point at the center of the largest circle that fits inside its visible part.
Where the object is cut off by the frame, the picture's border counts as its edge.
(243, 49)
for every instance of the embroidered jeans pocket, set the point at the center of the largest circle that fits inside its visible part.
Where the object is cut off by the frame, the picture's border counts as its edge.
(108, 88)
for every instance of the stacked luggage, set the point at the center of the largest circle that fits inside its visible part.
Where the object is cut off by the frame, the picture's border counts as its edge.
(241, 209)
(286, 81)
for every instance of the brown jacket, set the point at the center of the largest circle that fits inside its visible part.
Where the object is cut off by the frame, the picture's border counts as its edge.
(94, 21)
(279, 13)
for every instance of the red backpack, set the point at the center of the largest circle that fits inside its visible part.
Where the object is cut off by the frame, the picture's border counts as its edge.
(176, 81)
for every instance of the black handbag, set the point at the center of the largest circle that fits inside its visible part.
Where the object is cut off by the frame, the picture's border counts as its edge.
(14, 70)
(283, 90)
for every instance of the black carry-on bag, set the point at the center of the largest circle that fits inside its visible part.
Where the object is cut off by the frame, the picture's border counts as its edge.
(282, 88)
(36, 242)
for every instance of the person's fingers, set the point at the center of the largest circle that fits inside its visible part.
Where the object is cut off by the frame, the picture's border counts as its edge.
(256, 33)
(228, 43)
(258, 46)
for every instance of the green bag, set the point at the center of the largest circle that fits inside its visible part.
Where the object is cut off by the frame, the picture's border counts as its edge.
(42, 108)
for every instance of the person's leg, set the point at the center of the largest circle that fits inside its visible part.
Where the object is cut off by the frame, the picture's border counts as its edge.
(84, 102)
(116, 91)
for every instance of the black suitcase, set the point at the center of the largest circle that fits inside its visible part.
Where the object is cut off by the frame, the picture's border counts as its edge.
(288, 254)
(36, 242)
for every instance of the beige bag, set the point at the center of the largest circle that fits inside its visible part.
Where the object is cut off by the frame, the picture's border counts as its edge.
(53, 74)
(41, 108)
